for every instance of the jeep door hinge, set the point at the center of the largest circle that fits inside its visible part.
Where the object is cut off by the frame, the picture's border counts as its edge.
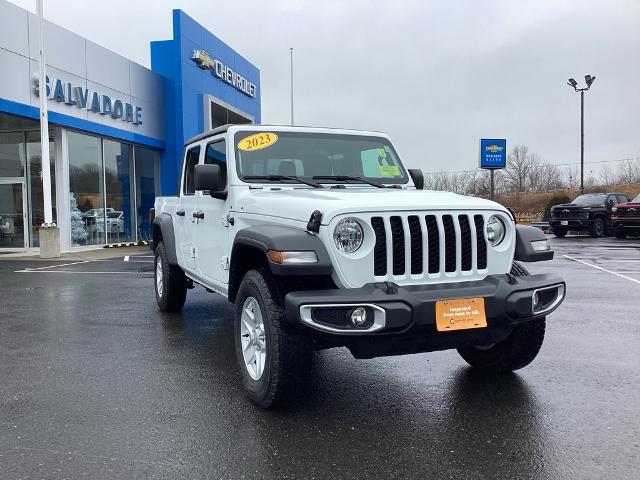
(224, 262)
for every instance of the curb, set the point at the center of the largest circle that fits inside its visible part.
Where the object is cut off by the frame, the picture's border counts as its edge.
(127, 244)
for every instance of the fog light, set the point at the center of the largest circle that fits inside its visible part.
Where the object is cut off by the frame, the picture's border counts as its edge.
(358, 317)
(541, 245)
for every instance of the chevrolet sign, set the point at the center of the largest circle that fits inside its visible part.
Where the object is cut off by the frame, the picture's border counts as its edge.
(493, 153)
(493, 148)
(224, 73)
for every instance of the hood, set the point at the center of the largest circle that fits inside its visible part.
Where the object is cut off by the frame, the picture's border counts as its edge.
(573, 206)
(299, 203)
(629, 205)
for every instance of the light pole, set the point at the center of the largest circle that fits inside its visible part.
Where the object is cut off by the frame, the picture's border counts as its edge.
(291, 56)
(589, 79)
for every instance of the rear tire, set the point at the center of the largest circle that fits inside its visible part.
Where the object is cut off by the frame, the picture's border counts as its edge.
(598, 229)
(560, 232)
(170, 282)
(518, 350)
(274, 362)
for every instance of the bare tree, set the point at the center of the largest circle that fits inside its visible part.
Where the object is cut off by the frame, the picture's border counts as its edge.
(607, 175)
(629, 171)
(518, 167)
(572, 177)
(548, 178)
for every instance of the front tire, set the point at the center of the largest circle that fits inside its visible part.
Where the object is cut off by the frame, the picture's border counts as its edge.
(274, 362)
(598, 229)
(170, 282)
(560, 232)
(518, 350)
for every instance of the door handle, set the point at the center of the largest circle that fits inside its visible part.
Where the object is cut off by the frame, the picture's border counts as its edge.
(198, 214)
(180, 213)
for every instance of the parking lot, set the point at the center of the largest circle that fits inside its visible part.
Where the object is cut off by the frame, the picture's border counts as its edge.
(96, 383)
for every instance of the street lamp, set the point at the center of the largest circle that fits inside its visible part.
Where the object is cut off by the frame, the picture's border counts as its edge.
(589, 79)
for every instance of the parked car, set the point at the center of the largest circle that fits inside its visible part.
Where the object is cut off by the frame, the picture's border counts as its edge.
(322, 238)
(115, 222)
(589, 212)
(625, 218)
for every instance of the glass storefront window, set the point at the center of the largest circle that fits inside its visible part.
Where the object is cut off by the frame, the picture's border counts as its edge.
(86, 196)
(34, 169)
(147, 187)
(11, 215)
(118, 167)
(11, 154)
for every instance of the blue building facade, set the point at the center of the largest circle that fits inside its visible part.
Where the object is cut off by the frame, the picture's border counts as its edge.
(117, 128)
(196, 91)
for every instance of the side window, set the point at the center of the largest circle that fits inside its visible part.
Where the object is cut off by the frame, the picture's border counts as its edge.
(193, 155)
(217, 155)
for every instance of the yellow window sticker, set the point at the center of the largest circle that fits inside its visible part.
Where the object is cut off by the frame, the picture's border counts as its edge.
(257, 141)
(382, 153)
(390, 170)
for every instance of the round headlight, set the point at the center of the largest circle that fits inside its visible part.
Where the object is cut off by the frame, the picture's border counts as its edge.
(348, 235)
(614, 209)
(495, 230)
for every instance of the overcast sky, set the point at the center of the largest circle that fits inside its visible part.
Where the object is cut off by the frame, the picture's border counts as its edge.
(435, 75)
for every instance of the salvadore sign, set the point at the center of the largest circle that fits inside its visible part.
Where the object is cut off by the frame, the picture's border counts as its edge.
(80, 97)
(224, 73)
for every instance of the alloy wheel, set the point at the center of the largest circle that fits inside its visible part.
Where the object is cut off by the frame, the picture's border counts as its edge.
(159, 283)
(252, 338)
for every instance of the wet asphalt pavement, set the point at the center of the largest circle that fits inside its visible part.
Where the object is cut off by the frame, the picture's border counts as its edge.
(96, 383)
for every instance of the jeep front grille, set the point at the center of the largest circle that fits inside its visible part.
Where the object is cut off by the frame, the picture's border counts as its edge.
(423, 245)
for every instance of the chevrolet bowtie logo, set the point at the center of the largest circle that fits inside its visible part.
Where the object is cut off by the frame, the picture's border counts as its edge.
(493, 148)
(203, 59)
(565, 211)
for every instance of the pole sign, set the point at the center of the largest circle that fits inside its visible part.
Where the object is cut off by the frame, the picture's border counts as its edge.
(493, 153)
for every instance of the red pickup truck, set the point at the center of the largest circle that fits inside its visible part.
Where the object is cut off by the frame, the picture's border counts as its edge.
(625, 218)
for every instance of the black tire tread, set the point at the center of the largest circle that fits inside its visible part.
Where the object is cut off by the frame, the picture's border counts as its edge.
(593, 232)
(174, 283)
(291, 353)
(517, 351)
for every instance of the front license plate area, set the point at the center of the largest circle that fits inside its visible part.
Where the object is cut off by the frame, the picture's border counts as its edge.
(460, 314)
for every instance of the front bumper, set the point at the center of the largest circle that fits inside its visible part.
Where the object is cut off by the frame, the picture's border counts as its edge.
(408, 322)
(571, 223)
(626, 224)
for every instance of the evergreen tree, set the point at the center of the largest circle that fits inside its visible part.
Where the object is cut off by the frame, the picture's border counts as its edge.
(78, 233)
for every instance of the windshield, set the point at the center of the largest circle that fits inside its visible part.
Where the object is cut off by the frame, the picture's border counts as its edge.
(636, 200)
(309, 155)
(591, 198)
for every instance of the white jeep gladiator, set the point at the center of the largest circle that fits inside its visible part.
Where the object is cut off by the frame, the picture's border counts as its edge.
(322, 238)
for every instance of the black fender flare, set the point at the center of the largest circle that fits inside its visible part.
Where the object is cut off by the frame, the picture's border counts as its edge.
(164, 223)
(524, 250)
(284, 238)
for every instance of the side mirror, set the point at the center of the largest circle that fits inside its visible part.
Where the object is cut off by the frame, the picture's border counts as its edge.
(612, 202)
(209, 177)
(418, 178)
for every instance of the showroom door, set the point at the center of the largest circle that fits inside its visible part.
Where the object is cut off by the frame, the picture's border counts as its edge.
(13, 216)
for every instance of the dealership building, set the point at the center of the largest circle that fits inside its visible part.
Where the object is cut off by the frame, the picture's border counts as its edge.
(117, 128)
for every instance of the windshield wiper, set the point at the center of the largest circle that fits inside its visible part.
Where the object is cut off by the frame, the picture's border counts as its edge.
(345, 178)
(281, 178)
